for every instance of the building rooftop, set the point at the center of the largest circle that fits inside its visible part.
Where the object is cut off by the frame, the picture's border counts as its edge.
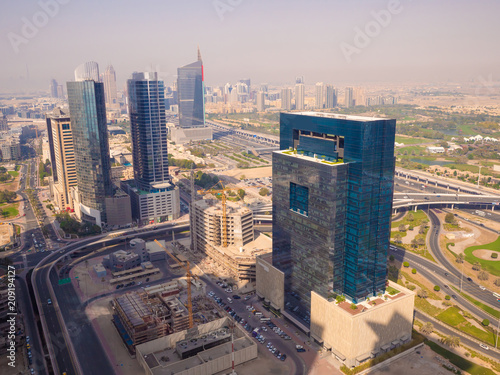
(261, 244)
(317, 158)
(338, 116)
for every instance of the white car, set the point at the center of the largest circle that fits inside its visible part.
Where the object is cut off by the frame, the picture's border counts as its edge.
(485, 347)
(482, 287)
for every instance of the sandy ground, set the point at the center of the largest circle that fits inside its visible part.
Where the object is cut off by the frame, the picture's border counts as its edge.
(250, 173)
(99, 314)
(5, 232)
(485, 254)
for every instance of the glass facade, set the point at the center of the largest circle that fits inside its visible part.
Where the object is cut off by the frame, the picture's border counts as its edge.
(191, 97)
(148, 129)
(340, 244)
(90, 139)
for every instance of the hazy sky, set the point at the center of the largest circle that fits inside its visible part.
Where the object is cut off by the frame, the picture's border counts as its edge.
(265, 40)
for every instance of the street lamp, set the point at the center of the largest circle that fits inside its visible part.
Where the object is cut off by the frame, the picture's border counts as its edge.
(479, 175)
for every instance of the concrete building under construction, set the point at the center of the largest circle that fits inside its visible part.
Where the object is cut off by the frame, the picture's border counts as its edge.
(238, 257)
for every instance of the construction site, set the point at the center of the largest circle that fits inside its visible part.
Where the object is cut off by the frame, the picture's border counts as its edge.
(225, 233)
(158, 311)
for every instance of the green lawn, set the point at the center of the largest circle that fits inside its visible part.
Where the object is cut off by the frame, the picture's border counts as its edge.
(392, 291)
(13, 173)
(423, 305)
(411, 140)
(490, 266)
(458, 361)
(418, 217)
(488, 337)
(10, 210)
(451, 316)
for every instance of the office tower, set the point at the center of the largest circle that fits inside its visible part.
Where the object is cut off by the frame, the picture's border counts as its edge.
(261, 101)
(330, 100)
(3, 122)
(190, 88)
(286, 98)
(264, 87)
(90, 138)
(348, 99)
(299, 79)
(299, 96)
(154, 197)
(110, 87)
(62, 158)
(87, 71)
(319, 97)
(332, 204)
(247, 82)
(358, 96)
(53, 89)
(60, 91)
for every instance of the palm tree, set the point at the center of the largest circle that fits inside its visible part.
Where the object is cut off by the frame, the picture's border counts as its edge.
(397, 238)
(460, 258)
(427, 328)
(476, 266)
(422, 293)
(451, 341)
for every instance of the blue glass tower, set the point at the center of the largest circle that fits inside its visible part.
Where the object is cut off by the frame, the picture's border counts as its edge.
(191, 94)
(332, 202)
(90, 138)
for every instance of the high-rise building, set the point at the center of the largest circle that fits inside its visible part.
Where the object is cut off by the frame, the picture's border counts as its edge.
(330, 97)
(110, 87)
(87, 71)
(300, 96)
(332, 204)
(348, 98)
(319, 101)
(60, 91)
(261, 101)
(286, 98)
(90, 138)
(190, 88)
(3, 122)
(62, 158)
(53, 88)
(358, 96)
(153, 195)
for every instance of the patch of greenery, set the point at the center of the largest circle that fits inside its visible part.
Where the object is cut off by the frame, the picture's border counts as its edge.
(490, 310)
(490, 266)
(451, 316)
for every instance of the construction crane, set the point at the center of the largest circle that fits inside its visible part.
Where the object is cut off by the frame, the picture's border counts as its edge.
(189, 275)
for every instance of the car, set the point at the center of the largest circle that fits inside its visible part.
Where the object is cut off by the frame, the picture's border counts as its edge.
(49, 302)
(283, 357)
(268, 345)
(485, 347)
(236, 297)
(446, 274)
(446, 286)
(247, 298)
(27, 339)
(469, 279)
(482, 287)
(453, 296)
(32, 371)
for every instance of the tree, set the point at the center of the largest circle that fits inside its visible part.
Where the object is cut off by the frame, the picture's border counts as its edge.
(421, 229)
(414, 271)
(449, 218)
(497, 282)
(414, 243)
(427, 328)
(402, 228)
(485, 322)
(483, 275)
(397, 238)
(241, 193)
(451, 341)
(476, 266)
(460, 258)
(437, 288)
(422, 293)
(406, 264)
(420, 241)
(264, 192)
(242, 177)
(410, 217)
(391, 258)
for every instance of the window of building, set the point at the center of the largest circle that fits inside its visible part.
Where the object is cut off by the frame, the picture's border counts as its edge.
(65, 126)
(299, 199)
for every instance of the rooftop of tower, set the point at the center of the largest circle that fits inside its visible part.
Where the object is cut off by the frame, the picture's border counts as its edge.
(338, 116)
(324, 159)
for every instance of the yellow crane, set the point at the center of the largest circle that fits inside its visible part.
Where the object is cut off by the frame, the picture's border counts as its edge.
(189, 275)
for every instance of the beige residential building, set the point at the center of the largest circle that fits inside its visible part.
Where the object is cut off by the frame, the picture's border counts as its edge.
(62, 157)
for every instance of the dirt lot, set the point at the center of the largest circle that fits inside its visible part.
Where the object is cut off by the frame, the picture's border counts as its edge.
(250, 173)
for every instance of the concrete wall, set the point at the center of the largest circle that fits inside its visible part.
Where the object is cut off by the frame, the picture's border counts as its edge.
(360, 334)
(270, 283)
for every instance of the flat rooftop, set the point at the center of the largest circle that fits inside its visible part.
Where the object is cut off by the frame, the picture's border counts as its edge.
(318, 159)
(261, 244)
(338, 116)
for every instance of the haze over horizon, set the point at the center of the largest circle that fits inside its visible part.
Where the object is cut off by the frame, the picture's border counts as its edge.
(424, 41)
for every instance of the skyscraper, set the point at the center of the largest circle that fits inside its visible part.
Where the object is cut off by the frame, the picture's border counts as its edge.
(261, 101)
(319, 97)
(110, 87)
(191, 96)
(87, 71)
(153, 195)
(53, 88)
(330, 100)
(286, 98)
(348, 98)
(332, 202)
(62, 157)
(299, 96)
(90, 139)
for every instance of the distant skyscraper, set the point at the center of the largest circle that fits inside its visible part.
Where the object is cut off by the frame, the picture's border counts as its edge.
(261, 104)
(348, 99)
(247, 82)
(153, 195)
(53, 88)
(319, 101)
(190, 86)
(299, 79)
(110, 87)
(300, 96)
(86, 71)
(60, 91)
(286, 98)
(358, 96)
(332, 203)
(90, 138)
(330, 97)
(62, 157)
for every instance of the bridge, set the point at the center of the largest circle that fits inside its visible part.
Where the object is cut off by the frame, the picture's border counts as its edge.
(257, 137)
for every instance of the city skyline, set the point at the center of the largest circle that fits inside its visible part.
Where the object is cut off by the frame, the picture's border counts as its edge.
(397, 49)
